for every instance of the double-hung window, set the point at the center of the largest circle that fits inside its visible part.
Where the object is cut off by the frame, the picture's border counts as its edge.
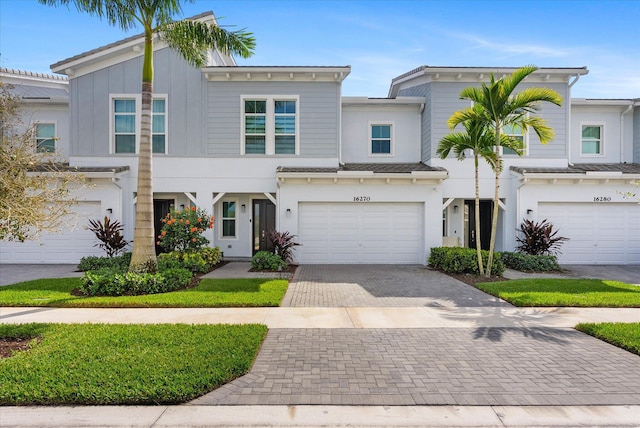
(45, 137)
(591, 144)
(516, 133)
(381, 139)
(270, 125)
(255, 121)
(229, 219)
(126, 111)
(124, 120)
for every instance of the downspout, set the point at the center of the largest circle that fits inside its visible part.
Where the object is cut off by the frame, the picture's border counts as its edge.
(568, 118)
(629, 107)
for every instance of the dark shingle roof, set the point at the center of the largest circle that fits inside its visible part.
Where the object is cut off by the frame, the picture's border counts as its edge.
(582, 168)
(376, 168)
(64, 167)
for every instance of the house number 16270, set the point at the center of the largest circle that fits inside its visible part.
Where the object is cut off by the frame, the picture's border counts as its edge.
(361, 198)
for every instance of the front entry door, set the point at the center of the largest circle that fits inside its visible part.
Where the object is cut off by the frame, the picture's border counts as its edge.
(485, 223)
(161, 208)
(264, 221)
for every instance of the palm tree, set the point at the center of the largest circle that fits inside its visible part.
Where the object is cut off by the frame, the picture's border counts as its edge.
(498, 107)
(191, 40)
(478, 140)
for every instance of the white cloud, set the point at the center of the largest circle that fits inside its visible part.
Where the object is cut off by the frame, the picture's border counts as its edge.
(510, 47)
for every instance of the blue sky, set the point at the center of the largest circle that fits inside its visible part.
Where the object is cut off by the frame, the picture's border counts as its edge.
(379, 39)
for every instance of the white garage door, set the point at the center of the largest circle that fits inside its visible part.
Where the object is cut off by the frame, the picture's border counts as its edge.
(68, 246)
(360, 233)
(598, 233)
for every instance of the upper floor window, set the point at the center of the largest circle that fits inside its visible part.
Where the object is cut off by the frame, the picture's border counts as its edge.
(381, 139)
(270, 125)
(45, 137)
(517, 133)
(591, 144)
(126, 124)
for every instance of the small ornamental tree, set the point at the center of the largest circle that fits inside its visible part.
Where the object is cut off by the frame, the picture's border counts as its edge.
(182, 230)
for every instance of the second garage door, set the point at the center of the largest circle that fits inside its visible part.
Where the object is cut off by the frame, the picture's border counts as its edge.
(360, 233)
(598, 233)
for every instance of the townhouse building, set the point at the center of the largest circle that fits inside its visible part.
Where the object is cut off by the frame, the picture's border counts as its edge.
(357, 179)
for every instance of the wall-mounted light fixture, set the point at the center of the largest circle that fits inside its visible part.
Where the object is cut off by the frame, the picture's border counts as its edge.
(243, 207)
(455, 208)
(529, 211)
(182, 206)
(110, 210)
(288, 211)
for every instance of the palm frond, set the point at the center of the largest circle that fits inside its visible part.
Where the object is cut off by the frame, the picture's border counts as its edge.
(192, 40)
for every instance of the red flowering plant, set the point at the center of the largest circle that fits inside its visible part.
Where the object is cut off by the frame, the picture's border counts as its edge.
(182, 230)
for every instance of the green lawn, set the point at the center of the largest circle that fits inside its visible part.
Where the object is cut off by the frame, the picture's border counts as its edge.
(623, 335)
(254, 292)
(565, 292)
(124, 364)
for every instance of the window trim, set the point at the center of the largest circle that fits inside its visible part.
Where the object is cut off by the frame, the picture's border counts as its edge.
(138, 122)
(391, 125)
(222, 219)
(270, 133)
(55, 134)
(592, 155)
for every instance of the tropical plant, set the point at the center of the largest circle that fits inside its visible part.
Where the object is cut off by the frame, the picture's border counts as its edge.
(480, 142)
(182, 230)
(191, 40)
(498, 107)
(109, 233)
(539, 238)
(283, 244)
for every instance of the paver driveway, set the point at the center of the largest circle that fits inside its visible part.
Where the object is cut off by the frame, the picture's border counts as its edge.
(381, 285)
(442, 366)
(424, 366)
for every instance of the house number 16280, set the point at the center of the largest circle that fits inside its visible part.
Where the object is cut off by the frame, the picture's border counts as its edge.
(361, 198)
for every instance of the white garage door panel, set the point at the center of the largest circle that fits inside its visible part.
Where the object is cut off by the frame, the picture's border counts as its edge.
(68, 246)
(360, 233)
(598, 233)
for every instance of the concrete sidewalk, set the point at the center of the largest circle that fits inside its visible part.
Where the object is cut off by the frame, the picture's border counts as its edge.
(321, 416)
(330, 318)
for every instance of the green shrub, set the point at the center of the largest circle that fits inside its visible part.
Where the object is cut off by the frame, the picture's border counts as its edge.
(201, 261)
(462, 260)
(109, 282)
(265, 260)
(120, 263)
(530, 263)
(212, 256)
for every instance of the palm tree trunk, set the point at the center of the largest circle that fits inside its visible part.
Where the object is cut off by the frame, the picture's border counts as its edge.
(143, 258)
(496, 205)
(477, 216)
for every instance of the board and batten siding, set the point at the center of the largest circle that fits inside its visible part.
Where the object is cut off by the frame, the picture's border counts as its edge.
(636, 135)
(90, 107)
(445, 100)
(318, 112)
(423, 90)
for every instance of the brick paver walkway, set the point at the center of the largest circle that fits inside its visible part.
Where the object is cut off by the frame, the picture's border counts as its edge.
(485, 366)
(380, 285)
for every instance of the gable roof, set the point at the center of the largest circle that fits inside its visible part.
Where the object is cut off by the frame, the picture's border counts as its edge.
(127, 48)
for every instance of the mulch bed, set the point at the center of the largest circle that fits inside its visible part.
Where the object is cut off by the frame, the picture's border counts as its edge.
(290, 269)
(9, 346)
(472, 280)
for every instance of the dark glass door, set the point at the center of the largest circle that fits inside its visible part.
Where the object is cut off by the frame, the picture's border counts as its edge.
(264, 221)
(485, 223)
(161, 208)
